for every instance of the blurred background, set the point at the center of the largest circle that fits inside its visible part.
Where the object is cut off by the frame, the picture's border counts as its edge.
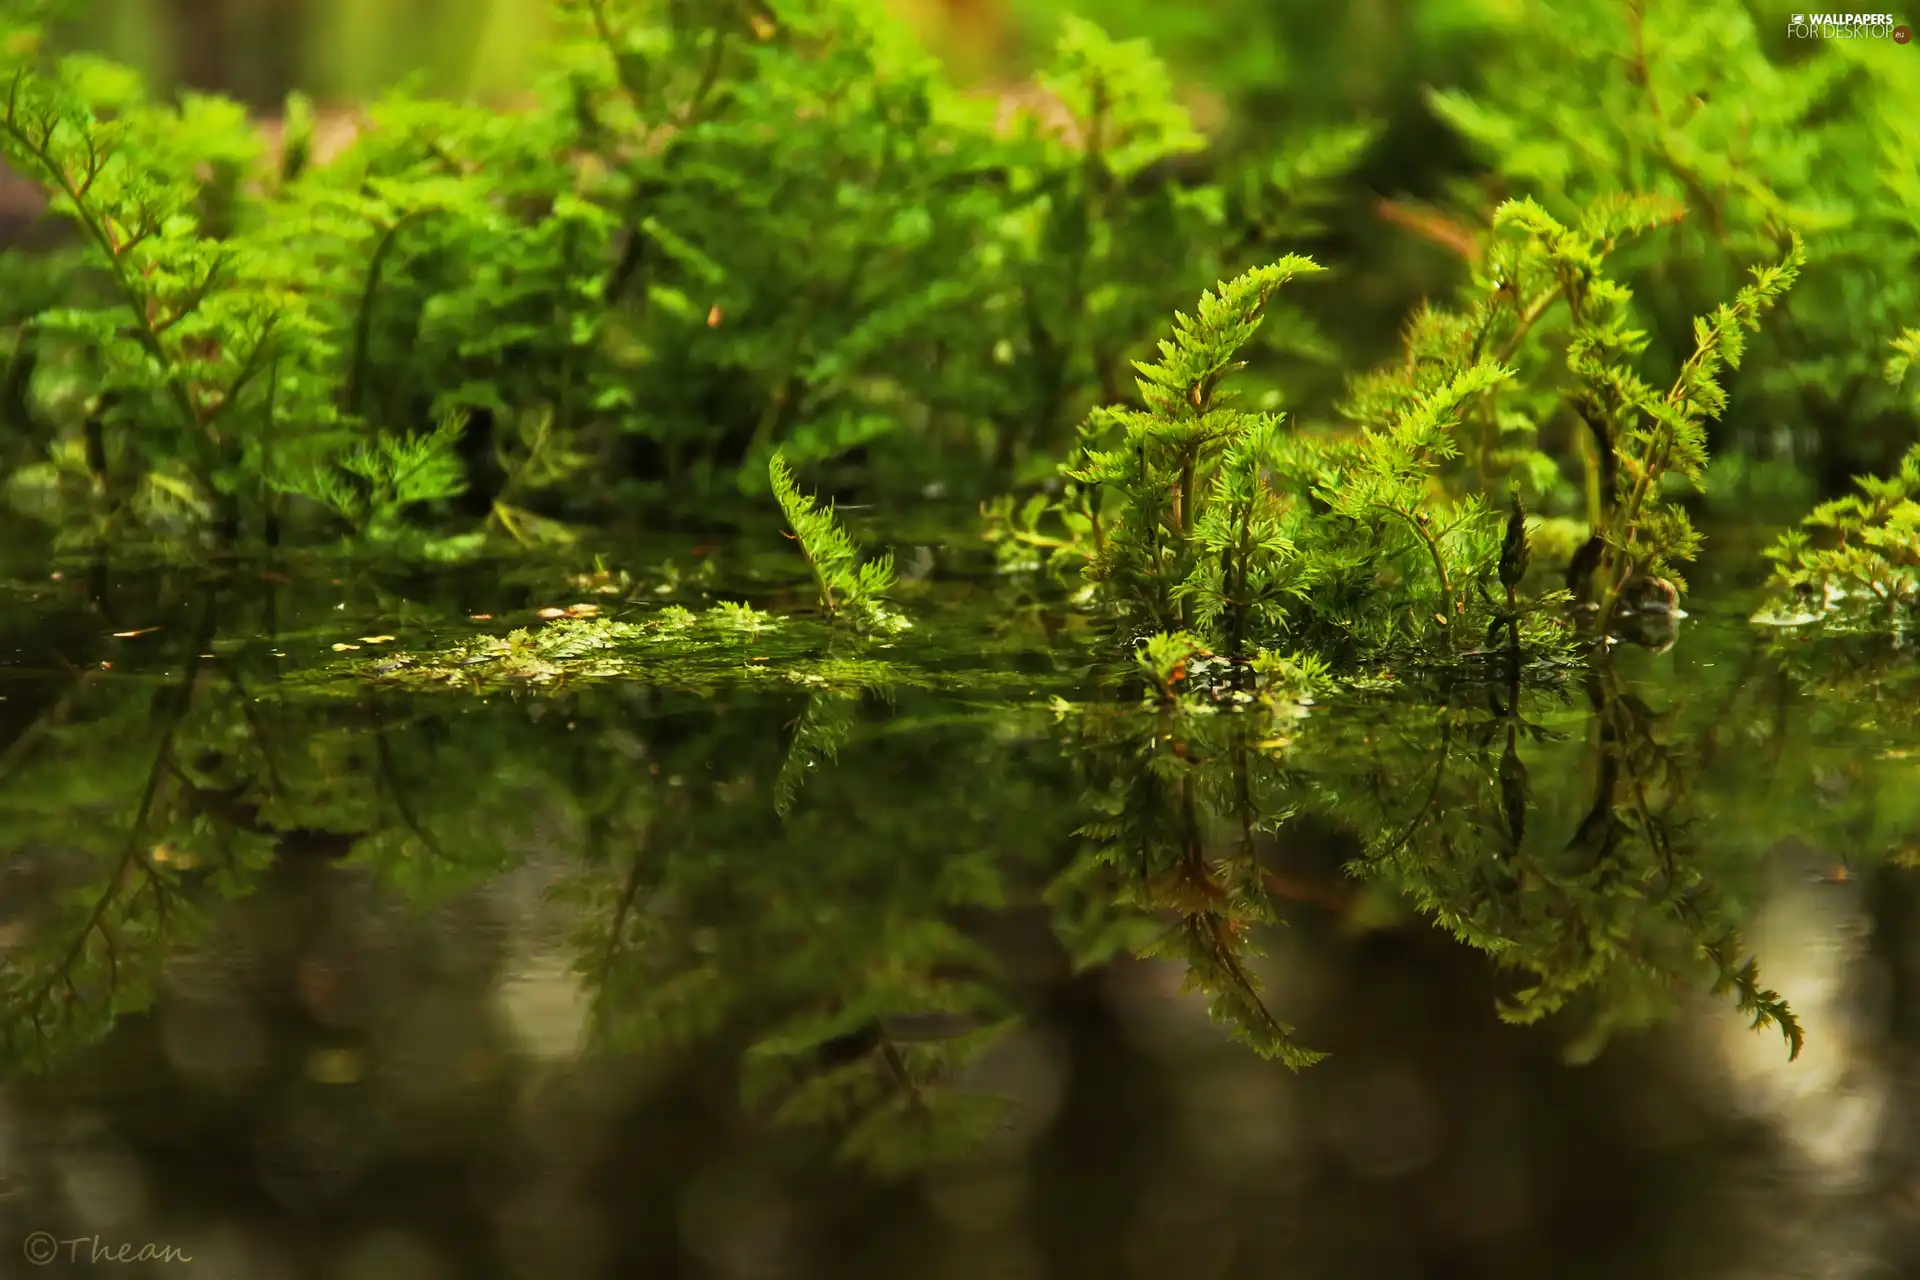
(1276, 61)
(341, 51)
(1758, 128)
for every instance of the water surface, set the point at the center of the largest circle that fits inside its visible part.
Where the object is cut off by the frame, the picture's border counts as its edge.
(342, 938)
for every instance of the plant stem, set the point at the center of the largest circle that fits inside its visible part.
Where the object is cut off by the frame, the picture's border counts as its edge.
(1433, 551)
(109, 244)
(363, 319)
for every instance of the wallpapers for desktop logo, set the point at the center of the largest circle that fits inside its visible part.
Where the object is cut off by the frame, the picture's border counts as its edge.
(1847, 26)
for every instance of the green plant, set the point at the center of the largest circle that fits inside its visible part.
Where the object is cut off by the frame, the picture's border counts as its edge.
(1133, 175)
(715, 232)
(1542, 297)
(201, 346)
(1570, 859)
(1707, 105)
(1191, 515)
(1515, 311)
(1176, 509)
(849, 588)
(802, 224)
(373, 486)
(261, 332)
(1639, 436)
(1194, 515)
(461, 272)
(1856, 559)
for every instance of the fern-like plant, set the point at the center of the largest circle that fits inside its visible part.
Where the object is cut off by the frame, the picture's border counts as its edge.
(1185, 534)
(1856, 559)
(1192, 515)
(1514, 313)
(1641, 439)
(374, 485)
(200, 347)
(850, 589)
(1700, 102)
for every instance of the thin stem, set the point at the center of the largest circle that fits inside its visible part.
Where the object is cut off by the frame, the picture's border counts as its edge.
(1433, 550)
(104, 238)
(363, 319)
(1528, 317)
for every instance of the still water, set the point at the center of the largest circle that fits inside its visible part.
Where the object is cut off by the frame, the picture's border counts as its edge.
(342, 937)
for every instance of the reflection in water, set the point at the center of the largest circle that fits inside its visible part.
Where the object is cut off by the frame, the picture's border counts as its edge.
(1599, 890)
(875, 973)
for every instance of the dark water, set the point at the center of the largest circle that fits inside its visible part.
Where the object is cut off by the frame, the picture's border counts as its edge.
(690, 949)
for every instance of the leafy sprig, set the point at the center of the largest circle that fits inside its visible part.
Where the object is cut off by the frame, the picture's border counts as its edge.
(850, 588)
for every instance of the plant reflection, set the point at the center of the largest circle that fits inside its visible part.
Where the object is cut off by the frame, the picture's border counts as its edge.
(857, 947)
(1574, 861)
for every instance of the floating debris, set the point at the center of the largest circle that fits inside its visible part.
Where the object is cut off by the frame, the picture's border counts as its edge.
(603, 582)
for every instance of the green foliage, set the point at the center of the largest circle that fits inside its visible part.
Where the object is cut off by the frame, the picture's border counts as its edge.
(374, 486)
(1865, 566)
(727, 646)
(1194, 515)
(1702, 105)
(1856, 560)
(718, 233)
(846, 950)
(1178, 800)
(813, 314)
(817, 737)
(897, 1105)
(200, 343)
(848, 588)
(1515, 314)
(917, 265)
(1163, 658)
(1638, 438)
(1488, 378)
(1178, 512)
(1763, 1005)
(1701, 114)
(1107, 202)
(713, 235)
(726, 240)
